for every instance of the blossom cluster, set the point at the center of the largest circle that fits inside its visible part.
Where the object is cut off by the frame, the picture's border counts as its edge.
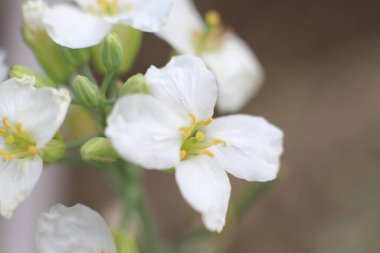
(160, 120)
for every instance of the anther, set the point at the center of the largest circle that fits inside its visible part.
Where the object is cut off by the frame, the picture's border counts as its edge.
(208, 121)
(217, 142)
(3, 132)
(183, 154)
(6, 123)
(10, 139)
(186, 131)
(200, 136)
(208, 153)
(193, 119)
(20, 128)
(213, 18)
(32, 150)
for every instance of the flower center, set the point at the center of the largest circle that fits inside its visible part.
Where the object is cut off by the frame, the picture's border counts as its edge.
(211, 37)
(18, 144)
(108, 7)
(195, 141)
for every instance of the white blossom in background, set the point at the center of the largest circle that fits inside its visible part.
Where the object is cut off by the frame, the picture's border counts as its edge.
(236, 67)
(3, 67)
(173, 128)
(30, 118)
(76, 229)
(33, 13)
(87, 23)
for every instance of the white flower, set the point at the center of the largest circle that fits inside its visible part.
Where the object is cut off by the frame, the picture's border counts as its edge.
(76, 229)
(237, 69)
(87, 24)
(30, 119)
(33, 13)
(3, 66)
(174, 128)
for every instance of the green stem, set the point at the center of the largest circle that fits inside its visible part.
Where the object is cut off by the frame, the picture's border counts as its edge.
(86, 70)
(108, 80)
(254, 191)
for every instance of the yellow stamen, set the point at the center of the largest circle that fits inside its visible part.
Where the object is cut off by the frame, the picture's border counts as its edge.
(183, 154)
(102, 2)
(217, 142)
(213, 18)
(193, 119)
(6, 123)
(32, 150)
(208, 153)
(208, 121)
(3, 132)
(20, 128)
(185, 130)
(200, 136)
(10, 139)
(3, 152)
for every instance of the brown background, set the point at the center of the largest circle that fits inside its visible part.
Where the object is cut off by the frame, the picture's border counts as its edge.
(322, 60)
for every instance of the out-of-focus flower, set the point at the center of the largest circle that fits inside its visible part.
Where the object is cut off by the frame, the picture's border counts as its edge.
(50, 55)
(86, 26)
(3, 66)
(76, 229)
(30, 119)
(237, 69)
(173, 127)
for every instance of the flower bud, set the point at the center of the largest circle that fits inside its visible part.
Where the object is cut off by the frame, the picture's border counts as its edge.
(98, 149)
(86, 91)
(134, 85)
(21, 72)
(47, 52)
(76, 57)
(131, 43)
(112, 52)
(125, 243)
(53, 151)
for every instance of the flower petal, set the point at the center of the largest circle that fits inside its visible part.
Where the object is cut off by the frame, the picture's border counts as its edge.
(184, 21)
(206, 187)
(41, 111)
(74, 28)
(146, 132)
(185, 85)
(253, 146)
(147, 15)
(17, 180)
(3, 66)
(76, 229)
(85, 4)
(238, 72)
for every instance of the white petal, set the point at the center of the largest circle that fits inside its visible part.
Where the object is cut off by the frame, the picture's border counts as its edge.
(3, 66)
(238, 72)
(253, 146)
(85, 4)
(184, 21)
(41, 111)
(146, 132)
(73, 28)
(17, 180)
(76, 229)
(206, 187)
(147, 15)
(185, 85)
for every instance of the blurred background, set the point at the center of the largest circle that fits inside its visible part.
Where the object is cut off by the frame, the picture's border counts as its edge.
(322, 62)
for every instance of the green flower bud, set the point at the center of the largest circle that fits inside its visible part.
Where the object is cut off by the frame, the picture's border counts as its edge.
(125, 243)
(135, 85)
(112, 52)
(47, 52)
(131, 43)
(53, 151)
(21, 72)
(76, 57)
(86, 91)
(98, 149)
